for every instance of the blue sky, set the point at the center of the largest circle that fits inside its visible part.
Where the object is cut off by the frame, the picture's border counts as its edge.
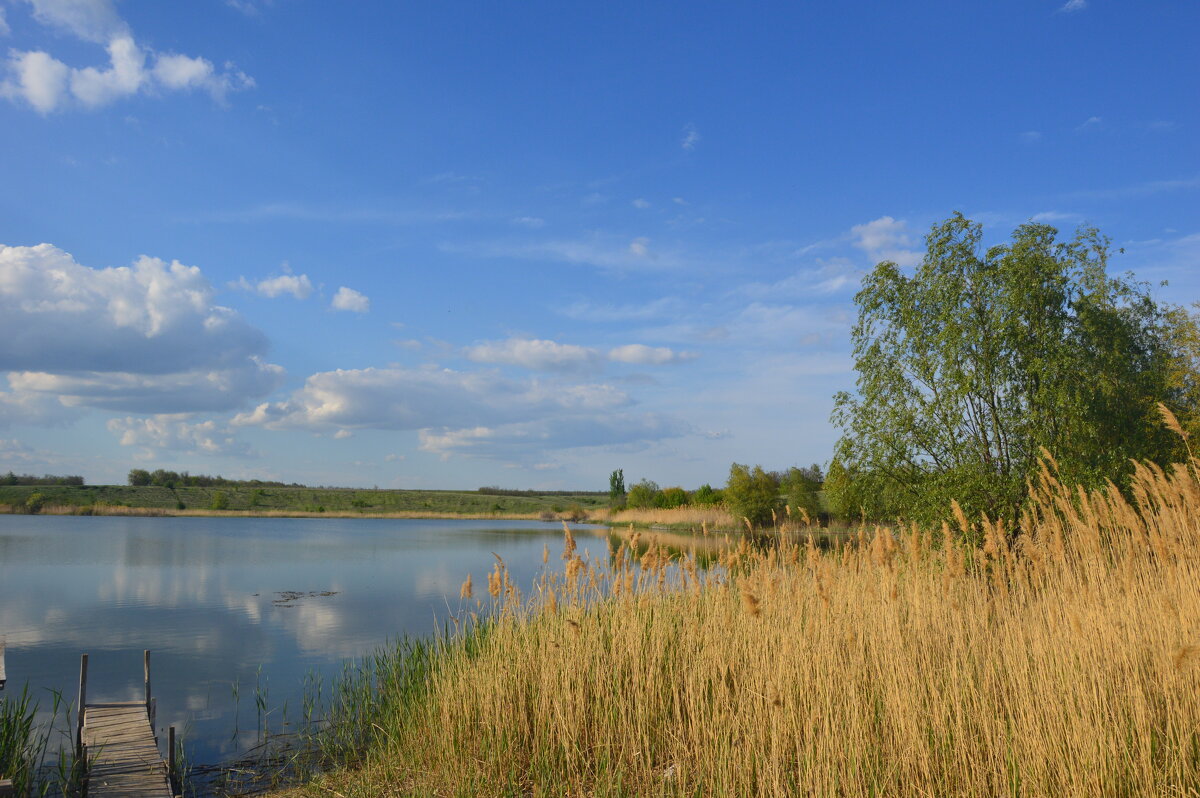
(461, 244)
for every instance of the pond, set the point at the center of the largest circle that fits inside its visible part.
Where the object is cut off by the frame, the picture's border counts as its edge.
(237, 609)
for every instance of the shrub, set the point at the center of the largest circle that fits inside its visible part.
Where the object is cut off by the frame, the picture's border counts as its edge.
(642, 495)
(670, 498)
(752, 494)
(219, 501)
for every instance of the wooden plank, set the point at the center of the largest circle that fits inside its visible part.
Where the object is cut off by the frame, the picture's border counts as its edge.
(7, 790)
(123, 754)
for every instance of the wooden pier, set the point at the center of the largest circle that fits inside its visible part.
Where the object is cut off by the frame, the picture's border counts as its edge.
(119, 749)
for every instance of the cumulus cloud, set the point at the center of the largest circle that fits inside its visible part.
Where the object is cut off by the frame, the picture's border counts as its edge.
(176, 433)
(535, 354)
(350, 300)
(643, 355)
(529, 440)
(297, 285)
(478, 413)
(142, 338)
(886, 239)
(410, 399)
(47, 84)
(544, 355)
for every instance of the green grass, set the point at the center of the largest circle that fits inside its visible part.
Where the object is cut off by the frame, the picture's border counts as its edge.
(301, 499)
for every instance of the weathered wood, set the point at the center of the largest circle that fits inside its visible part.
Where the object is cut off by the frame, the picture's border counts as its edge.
(7, 790)
(82, 703)
(3, 676)
(116, 741)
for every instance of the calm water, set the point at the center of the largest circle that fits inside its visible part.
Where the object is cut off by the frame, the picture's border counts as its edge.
(214, 600)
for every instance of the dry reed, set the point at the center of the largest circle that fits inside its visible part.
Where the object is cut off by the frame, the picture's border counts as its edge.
(1060, 662)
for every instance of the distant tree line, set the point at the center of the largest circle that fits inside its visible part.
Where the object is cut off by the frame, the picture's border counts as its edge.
(48, 479)
(492, 490)
(759, 496)
(140, 477)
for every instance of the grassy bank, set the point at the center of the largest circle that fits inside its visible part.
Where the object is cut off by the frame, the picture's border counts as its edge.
(1063, 664)
(293, 501)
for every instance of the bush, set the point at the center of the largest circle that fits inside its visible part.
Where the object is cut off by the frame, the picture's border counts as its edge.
(706, 496)
(752, 494)
(670, 498)
(35, 503)
(643, 495)
(219, 501)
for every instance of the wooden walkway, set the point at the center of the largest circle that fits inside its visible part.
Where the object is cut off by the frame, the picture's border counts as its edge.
(118, 743)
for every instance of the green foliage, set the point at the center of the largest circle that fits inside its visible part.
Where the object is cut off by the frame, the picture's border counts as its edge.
(642, 495)
(139, 477)
(616, 487)
(705, 496)
(981, 357)
(752, 494)
(670, 498)
(800, 487)
(35, 503)
(219, 501)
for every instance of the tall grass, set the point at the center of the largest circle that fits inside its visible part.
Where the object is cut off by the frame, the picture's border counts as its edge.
(692, 516)
(1064, 661)
(24, 743)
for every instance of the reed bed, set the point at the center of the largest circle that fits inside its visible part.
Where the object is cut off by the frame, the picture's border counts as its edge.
(966, 660)
(695, 517)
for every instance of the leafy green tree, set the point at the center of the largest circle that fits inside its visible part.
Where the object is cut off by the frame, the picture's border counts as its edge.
(139, 477)
(705, 496)
(616, 488)
(643, 495)
(752, 494)
(981, 357)
(800, 488)
(219, 501)
(670, 498)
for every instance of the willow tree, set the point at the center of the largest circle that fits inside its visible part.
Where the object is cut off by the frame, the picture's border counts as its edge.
(981, 357)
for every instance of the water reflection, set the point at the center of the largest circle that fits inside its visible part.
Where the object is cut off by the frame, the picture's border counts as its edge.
(217, 598)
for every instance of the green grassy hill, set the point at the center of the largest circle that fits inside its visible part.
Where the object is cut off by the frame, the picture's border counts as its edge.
(301, 499)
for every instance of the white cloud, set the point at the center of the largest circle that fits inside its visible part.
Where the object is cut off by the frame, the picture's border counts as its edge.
(143, 338)
(1055, 216)
(342, 434)
(48, 84)
(691, 137)
(535, 354)
(175, 433)
(544, 355)
(350, 300)
(1073, 5)
(1031, 136)
(530, 221)
(532, 440)
(4, 29)
(886, 238)
(90, 20)
(410, 399)
(41, 80)
(1090, 123)
(643, 355)
(830, 276)
(298, 285)
(640, 204)
(602, 252)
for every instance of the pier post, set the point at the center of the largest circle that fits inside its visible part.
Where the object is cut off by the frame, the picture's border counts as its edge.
(83, 662)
